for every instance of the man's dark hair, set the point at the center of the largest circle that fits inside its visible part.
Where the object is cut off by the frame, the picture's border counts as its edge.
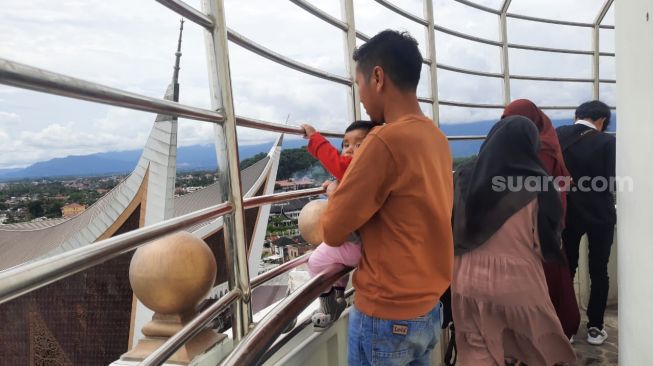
(361, 125)
(396, 53)
(594, 110)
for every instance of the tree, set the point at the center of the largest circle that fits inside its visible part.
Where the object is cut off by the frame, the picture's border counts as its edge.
(251, 161)
(293, 161)
(76, 196)
(458, 162)
(53, 209)
(35, 209)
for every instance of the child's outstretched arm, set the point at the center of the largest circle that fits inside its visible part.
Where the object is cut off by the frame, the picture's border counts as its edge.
(327, 154)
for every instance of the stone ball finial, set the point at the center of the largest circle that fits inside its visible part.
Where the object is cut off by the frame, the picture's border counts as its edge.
(309, 224)
(173, 274)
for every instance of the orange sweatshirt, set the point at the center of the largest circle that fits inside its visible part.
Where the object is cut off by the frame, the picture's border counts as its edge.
(398, 193)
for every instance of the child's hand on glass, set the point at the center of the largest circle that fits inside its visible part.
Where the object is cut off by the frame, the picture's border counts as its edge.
(308, 130)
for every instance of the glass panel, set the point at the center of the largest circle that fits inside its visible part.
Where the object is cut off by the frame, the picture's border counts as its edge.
(465, 19)
(427, 109)
(607, 67)
(551, 93)
(606, 40)
(608, 94)
(371, 18)
(457, 87)
(415, 7)
(328, 6)
(549, 64)
(463, 121)
(527, 32)
(424, 86)
(463, 53)
(290, 31)
(583, 11)
(451, 115)
(268, 91)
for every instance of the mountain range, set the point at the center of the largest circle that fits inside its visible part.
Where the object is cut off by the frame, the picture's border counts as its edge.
(200, 157)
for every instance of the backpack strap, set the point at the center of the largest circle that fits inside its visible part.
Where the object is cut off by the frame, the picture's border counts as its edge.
(564, 145)
(451, 355)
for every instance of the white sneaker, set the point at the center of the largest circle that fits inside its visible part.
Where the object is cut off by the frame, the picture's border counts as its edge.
(596, 336)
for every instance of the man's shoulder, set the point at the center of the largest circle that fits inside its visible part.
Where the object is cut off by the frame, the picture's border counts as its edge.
(567, 129)
(407, 126)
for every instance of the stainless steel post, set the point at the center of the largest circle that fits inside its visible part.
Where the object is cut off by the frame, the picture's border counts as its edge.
(347, 8)
(228, 164)
(433, 68)
(505, 54)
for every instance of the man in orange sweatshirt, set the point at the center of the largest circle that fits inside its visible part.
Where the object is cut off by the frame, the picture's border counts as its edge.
(398, 194)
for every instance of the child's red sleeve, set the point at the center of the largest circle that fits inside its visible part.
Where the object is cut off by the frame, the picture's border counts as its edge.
(328, 155)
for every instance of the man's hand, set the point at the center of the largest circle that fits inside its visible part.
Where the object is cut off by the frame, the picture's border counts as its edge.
(308, 130)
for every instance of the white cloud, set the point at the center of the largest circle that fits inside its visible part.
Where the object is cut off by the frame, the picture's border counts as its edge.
(8, 117)
(4, 137)
(130, 44)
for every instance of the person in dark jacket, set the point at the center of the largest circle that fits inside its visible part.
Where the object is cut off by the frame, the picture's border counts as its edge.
(590, 155)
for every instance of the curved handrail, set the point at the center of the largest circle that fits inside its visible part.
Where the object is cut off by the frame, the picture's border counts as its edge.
(188, 12)
(33, 78)
(25, 278)
(161, 354)
(526, 17)
(282, 197)
(29, 77)
(408, 15)
(312, 9)
(467, 36)
(301, 324)
(278, 127)
(201, 320)
(28, 277)
(260, 50)
(471, 105)
(276, 271)
(479, 7)
(468, 71)
(200, 18)
(554, 21)
(252, 347)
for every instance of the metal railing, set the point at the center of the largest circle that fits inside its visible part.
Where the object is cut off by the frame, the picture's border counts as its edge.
(191, 329)
(301, 325)
(25, 278)
(254, 345)
(167, 349)
(28, 77)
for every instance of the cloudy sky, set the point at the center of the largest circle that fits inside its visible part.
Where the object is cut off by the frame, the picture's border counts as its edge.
(130, 45)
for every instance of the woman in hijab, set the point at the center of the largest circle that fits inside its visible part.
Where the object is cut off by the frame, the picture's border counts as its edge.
(558, 278)
(502, 231)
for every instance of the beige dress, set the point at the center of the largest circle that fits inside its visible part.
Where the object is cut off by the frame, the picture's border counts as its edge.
(500, 301)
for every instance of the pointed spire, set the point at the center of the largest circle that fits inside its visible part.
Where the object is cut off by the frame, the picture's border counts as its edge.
(175, 75)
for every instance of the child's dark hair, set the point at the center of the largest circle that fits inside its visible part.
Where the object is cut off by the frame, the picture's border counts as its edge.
(397, 53)
(361, 125)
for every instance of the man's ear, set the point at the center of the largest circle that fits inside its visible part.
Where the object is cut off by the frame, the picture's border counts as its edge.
(603, 126)
(378, 78)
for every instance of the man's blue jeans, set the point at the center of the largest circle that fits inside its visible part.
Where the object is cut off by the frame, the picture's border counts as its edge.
(374, 341)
